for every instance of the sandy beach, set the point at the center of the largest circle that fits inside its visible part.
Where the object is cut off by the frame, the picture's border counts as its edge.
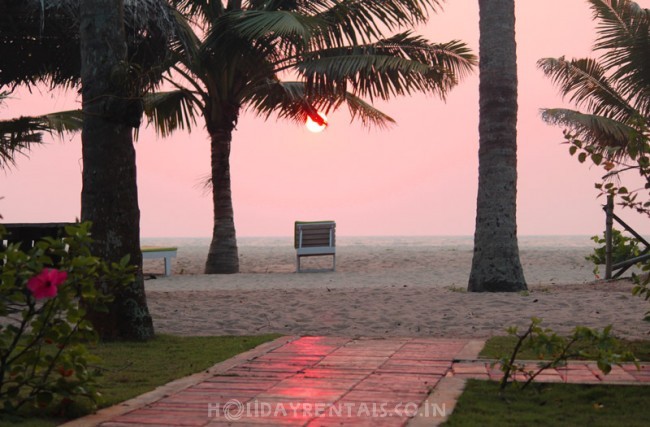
(392, 288)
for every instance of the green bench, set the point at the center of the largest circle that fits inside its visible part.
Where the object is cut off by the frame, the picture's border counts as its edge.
(150, 252)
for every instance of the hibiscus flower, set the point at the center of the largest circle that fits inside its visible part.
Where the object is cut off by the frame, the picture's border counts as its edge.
(46, 283)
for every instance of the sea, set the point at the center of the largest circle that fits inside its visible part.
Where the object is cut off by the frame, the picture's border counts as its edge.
(579, 242)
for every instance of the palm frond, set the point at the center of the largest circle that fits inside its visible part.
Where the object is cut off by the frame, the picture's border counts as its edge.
(225, 58)
(285, 98)
(586, 83)
(400, 65)
(289, 100)
(624, 39)
(63, 121)
(368, 114)
(258, 24)
(42, 38)
(305, 7)
(187, 44)
(171, 111)
(18, 135)
(607, 136)
(202, 10)
(362, 22)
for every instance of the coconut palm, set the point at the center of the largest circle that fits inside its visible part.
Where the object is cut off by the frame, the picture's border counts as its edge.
(112, 107)
(614, 91)
(495, 264)
(338, 52)
(114, 50)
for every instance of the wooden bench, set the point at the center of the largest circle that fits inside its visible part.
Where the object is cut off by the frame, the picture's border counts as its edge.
(150, 252)
(27, 234)
(315, 238)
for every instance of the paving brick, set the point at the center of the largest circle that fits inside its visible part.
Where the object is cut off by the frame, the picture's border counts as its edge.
(304, 392)
(259, 421)
(398, 382)
(422, 370)
(358, 421)
(345, 351)
(642, 378)
(252, 372)
(389, 399)
(469, 368)
(122, 424)
(366, 362)
(581, 379)
(301, 380)
(146, 418)
(336, 373)
(332, 381)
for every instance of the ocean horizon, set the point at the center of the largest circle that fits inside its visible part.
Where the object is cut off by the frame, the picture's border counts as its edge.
(465, 241)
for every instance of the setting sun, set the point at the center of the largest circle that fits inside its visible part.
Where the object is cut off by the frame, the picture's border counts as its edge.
(312, 126)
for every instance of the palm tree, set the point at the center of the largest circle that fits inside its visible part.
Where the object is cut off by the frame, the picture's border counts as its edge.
(615, 92)
(495, 265)
(337, 52)
(115, 50)
(109, 197)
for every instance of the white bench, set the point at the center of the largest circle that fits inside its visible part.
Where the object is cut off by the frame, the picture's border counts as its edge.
(149, 252)
(314, 239)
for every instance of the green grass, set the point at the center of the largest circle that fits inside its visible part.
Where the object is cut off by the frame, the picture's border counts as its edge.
(496, 347)
(551, 405)
(546, 404)
(130, 369)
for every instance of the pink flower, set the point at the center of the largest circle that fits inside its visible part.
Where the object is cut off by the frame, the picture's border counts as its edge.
(46, 283)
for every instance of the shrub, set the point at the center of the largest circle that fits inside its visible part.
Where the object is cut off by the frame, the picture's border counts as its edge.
(555, 350)
(623, 248)
(45, 293)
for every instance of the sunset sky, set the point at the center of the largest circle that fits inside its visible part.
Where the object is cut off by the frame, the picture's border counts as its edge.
(417, 178)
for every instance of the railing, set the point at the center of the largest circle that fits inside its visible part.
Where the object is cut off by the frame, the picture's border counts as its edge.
(621, 266)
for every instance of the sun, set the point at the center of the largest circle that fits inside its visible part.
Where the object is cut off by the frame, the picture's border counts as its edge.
(312, 126)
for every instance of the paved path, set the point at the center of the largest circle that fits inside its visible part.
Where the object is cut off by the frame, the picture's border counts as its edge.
(329, 381)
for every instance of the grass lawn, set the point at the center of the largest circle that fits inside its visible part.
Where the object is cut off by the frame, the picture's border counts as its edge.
(551, 405)
(546, 404)
(130, 369)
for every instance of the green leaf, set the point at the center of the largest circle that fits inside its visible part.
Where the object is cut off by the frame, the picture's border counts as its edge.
(604, 366)
(597, 158)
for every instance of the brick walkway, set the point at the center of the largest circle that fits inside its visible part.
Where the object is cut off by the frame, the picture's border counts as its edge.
(326, 381)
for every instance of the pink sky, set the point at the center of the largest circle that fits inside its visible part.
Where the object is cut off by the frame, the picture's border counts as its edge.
(418, 178)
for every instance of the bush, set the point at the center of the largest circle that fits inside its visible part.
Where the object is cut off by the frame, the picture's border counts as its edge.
(45, 294)
(623, 248)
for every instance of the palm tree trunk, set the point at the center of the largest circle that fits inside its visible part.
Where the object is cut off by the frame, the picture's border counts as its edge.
(495, 265)
(223, 257)
(109, 196)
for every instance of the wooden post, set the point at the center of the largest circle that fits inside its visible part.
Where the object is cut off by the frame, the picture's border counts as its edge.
(609, 212)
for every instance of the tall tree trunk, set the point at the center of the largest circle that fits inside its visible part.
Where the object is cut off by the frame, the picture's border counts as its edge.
(223, 257)
(495, 265)
(109, 197)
